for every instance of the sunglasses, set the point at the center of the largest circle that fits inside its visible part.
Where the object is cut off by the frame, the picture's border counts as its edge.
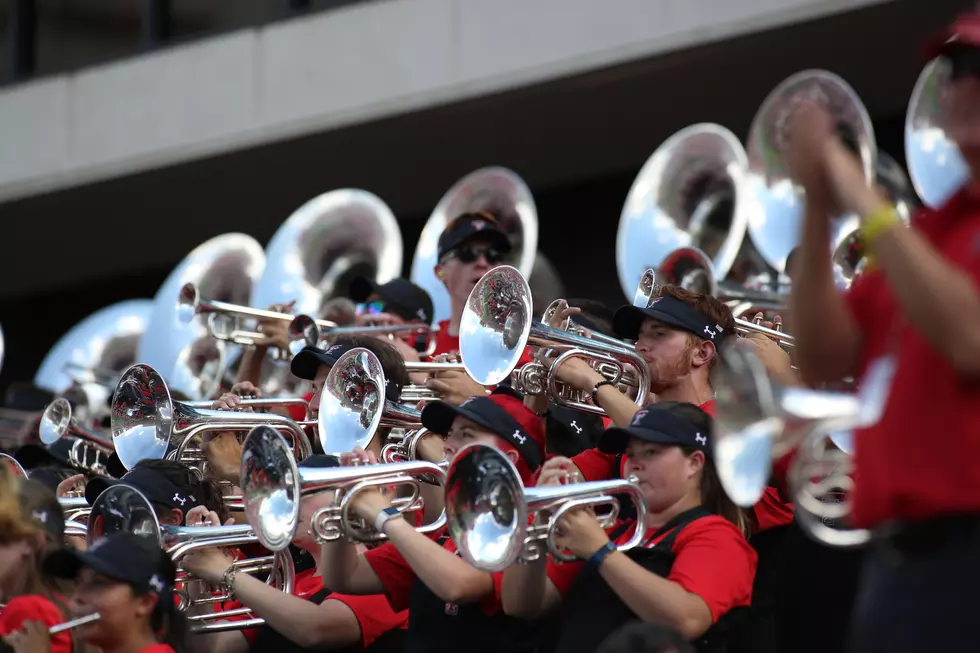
(469, 254)
(371, 308)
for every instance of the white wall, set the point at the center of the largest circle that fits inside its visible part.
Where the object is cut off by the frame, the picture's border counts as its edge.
(333, 69)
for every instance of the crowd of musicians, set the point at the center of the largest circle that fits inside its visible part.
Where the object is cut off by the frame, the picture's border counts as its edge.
(488, 485)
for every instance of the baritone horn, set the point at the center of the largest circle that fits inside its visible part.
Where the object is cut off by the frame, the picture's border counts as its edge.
(496, 328)
(354, 403)
(758, 421)
(148, 423)
(274, 487)
(122, 508)
(490, 511)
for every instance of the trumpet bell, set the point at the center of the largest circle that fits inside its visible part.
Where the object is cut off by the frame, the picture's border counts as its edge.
(496, 190)
(495, 325)
(776, 213)
(269, 473)
(679, 200)
(55, 421)
(13, 465)
(352, 402)
(122, 509)
(142, 416)
(324, 245)
(485, 507)
(936, 166)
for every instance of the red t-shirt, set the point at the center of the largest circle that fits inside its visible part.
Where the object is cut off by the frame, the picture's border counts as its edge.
(398, 577)
(372, 611)
(770, 511)
(712, 559)
(34, 607)
(298, 413)
(922, 458)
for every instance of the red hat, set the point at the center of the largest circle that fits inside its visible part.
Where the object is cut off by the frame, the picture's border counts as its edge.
(965, 30)
(502, 413)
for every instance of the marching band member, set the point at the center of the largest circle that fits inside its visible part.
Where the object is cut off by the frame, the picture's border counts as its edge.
(397, 302)
(450, 603)
(312, 617)
(908, 330)
(694, 568)
(129, 581)
(31, 525)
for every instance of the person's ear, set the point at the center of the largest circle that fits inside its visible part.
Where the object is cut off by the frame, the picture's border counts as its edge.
(704, 353)
(440, 272)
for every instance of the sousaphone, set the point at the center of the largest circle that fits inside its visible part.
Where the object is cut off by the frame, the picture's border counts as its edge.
(495, 190)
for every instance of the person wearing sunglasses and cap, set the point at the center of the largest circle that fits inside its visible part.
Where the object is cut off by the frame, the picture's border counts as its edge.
(907, 330)
(693, 569)
(451, 604)
(395, 303)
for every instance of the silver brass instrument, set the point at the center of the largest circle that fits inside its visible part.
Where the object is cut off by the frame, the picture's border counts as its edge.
(194, 363)
(497, 326)
(413, 393)
(13, 465)
(274, 486)
(74, 623)
(675, 202)
(777, 202)
(495, 190)
(758, 421)
(122, 508)
(75, 509)
(935, 165)
(690, 268)
(87, 447)
(148, 423)
(489, 509)
(353, 404)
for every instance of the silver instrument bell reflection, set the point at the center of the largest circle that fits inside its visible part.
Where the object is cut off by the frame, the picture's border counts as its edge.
(13, 465)
(489, 510)
(496, 190)
(936, 166)
(354, 403)
(273, 487)
(777, 204)
(680, 199)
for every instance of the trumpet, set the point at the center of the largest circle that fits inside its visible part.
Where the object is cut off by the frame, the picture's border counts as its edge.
(147, 423)
(121, 508)
(757, 421)
(224, 321)
(496, 327)
(88, 447)
(353, 403)
(274, 486)
(489, 509)
(75, 509)
(413, 393)
(405, 449)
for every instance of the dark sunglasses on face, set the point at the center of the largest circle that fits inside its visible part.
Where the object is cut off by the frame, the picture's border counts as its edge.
(964, 62)
(469, 254)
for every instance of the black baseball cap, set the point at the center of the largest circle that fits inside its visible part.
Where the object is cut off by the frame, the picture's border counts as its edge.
(471, 225)
(500, 412)
(669, 310)
(401, 296)
(657, 425)
(136, 560)
(308, 361)
(154, 485)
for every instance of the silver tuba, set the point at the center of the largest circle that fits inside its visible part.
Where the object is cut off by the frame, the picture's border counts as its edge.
(490, 511)
(223, 268)
(273, 487)
(758, 421)
(354, 404)
(497, 326)
(776, 202)
(123, 508)
(679, 200)
(148, 423)
(496, 190)
(935, 165)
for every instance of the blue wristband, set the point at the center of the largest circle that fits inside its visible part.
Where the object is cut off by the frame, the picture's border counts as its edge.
(597, 558)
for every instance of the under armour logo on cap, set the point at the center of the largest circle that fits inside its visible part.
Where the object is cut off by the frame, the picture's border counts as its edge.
(41, 516)
(519, 437)
(578, 429)
(702, 440)
(421, 314)
(479, 224)
(179, 499)
(710, 332)
(157, 583)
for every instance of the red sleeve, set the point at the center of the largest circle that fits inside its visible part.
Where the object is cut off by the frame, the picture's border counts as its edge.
(715, 561)
(394, 573)
(595, 465)
(33, 607)
(373, 613)
(772, 511)
(857, 299)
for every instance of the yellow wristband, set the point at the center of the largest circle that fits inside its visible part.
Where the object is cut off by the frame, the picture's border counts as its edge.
(876, 223)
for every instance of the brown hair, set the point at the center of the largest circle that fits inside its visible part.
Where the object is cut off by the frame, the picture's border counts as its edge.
(713, 495)
(29, 510)
(708, 306)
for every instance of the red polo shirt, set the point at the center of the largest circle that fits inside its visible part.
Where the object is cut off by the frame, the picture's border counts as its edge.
(770, 511)
(34, 607)
(922, 458)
